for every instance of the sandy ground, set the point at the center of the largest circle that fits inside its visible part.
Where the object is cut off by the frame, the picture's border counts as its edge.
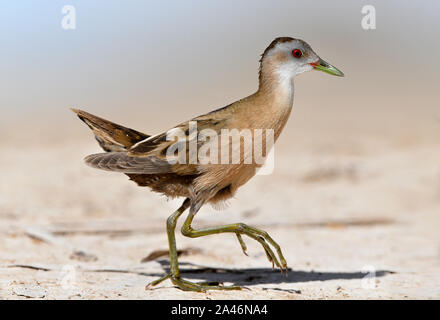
(357, 217)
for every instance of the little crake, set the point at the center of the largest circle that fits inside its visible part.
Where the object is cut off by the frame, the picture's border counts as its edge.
(143, 157)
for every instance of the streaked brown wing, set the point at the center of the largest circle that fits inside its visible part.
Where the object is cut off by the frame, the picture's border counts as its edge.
(157, 145)
(149, 156)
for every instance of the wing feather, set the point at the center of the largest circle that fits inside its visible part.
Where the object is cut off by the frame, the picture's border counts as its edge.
(110, 136)
(121, 162)
(148, 155)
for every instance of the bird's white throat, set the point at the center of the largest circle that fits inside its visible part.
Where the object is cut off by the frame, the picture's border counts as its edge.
(284, 86)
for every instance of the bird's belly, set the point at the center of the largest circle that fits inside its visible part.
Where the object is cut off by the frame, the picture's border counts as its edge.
(170, 185)
(222, 181)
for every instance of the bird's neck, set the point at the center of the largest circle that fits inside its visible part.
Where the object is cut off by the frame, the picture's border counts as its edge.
(275, 98)
(276, 86)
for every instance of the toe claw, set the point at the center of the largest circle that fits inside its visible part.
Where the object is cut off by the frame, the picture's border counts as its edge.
(242, 244)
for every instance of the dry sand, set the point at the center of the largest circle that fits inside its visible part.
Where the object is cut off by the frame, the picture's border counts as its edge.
(338, 204)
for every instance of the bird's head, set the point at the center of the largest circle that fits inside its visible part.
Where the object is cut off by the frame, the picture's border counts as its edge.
(289, 57)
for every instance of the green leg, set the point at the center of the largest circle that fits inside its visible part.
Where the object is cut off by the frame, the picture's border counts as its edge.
(174, 275)
(240, 228)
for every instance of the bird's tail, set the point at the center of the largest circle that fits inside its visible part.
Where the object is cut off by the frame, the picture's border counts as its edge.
(110, 136)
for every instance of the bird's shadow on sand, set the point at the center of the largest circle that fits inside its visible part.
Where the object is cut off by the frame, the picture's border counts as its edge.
(254, 276)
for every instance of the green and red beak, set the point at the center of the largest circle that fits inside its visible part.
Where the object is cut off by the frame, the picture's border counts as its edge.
(321, 65)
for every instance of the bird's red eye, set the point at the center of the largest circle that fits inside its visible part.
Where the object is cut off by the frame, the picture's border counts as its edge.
(297, 53)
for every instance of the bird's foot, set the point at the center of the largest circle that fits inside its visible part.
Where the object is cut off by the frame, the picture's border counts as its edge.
(191, 286)
(263, 238)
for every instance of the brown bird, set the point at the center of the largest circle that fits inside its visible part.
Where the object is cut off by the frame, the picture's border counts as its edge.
(151, 161)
